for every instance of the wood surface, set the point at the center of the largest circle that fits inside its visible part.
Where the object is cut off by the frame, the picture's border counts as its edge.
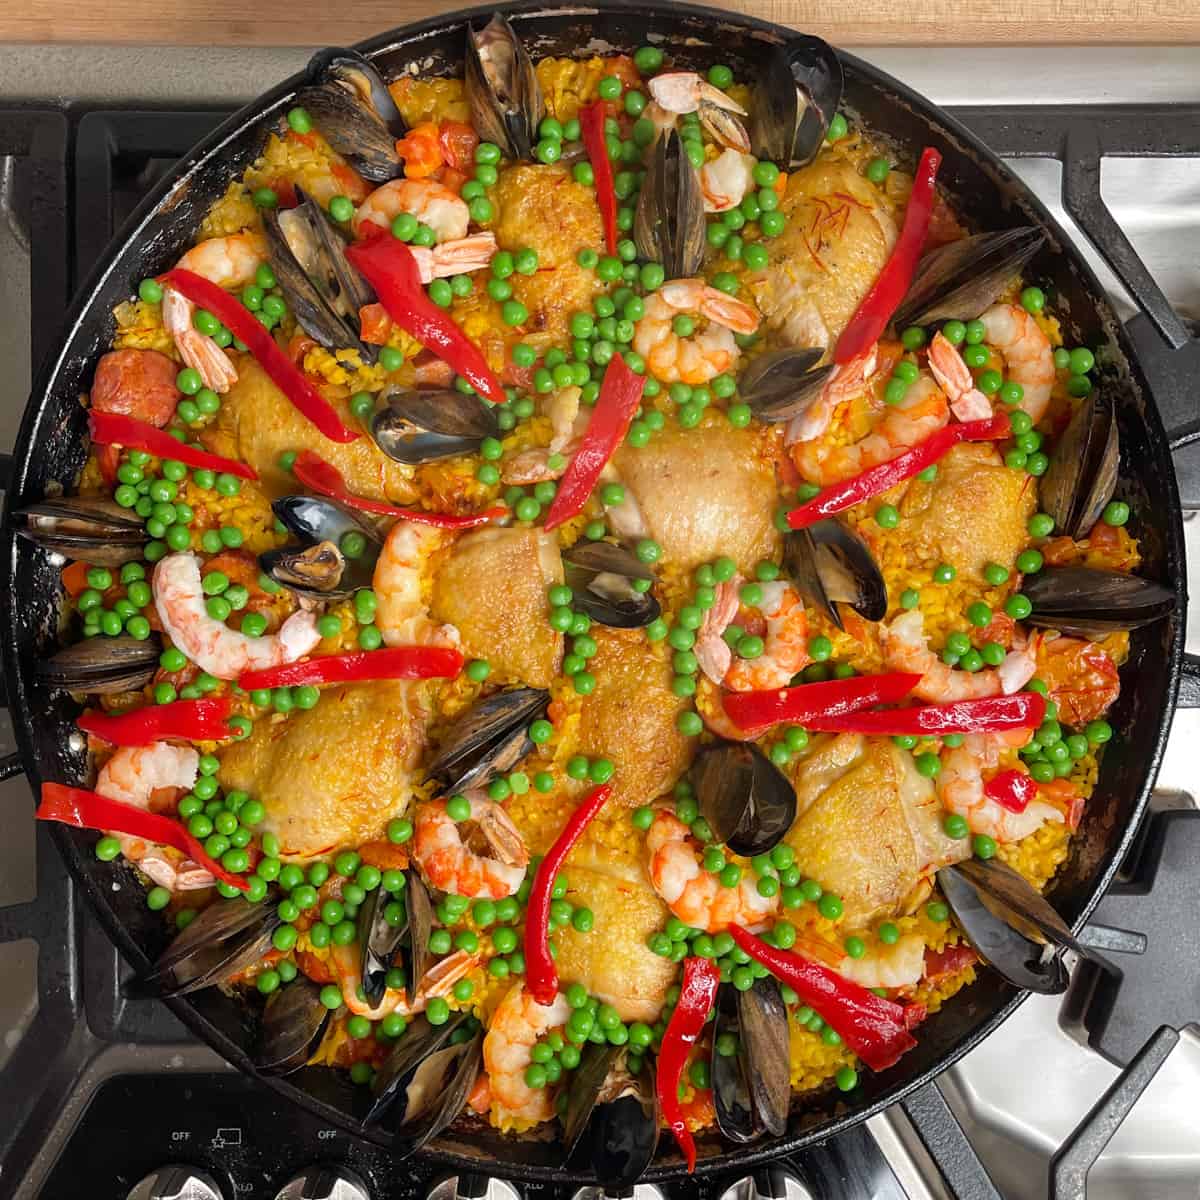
(844, 22)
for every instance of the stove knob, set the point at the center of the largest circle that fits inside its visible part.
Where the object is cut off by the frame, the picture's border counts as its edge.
(473, 1186)
(325, 1183)
(176, 1183)
(768, 1183)
(640, 1191)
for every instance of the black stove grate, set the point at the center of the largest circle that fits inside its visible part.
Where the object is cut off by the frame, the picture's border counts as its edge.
(138, 1115)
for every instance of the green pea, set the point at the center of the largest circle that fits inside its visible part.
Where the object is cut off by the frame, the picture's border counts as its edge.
(1033, 300)
(1116, 512)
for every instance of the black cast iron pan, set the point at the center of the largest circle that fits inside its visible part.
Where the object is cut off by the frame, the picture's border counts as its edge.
(52, 448)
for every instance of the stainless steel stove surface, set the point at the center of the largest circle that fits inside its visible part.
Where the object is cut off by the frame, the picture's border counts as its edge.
(147, 1094)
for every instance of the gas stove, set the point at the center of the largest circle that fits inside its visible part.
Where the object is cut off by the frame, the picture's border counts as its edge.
(112, 1096)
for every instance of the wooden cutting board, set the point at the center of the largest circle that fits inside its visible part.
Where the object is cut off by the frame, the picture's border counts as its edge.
(852, 22)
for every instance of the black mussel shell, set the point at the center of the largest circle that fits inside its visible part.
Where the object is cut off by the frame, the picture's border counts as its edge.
(322, 288)
(293, 1023)
(502, 88)
(318, 567)
(747, 801)
(357, 73)
(489, 739)
(1082, 474)
(752, 1086)
(959, 280)
(797, 93)
(587, 1082)
(1092, 603)
(227, 937)
(380, 940)
(669, 225)
(782, 384)
(422, 426)
(342, 103)
(830, 565)
(91, 529)
(1024, 963)
(423, 1084)
(103, 665)
(601, 574)
(1014, 899)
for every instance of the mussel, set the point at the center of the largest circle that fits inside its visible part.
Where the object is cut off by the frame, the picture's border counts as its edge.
(322, 288)
(381, 935)
(796, 95)
(783, 384)
(423, 1083)
(103, 665)
(669, 225)
(294, 1021)
(611, 1117)
(749, 1070)
(1092, 603)
(351, 106)
(92, 529)
(502, 88)
(747, 801)
(337, 550)
(602, 575)
(422, 426)
(227, 937)
(830, 565)
(489, 739)
(961, 279)
(1010, 925)
(1082, 474)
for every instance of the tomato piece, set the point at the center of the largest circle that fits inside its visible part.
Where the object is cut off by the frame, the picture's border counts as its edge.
(458, 141)
(1081, 677)
(375, 326)
(420, 150)
(941, 964)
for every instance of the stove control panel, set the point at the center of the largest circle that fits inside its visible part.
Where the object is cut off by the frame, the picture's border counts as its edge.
(322, 1182)
(175, 1182)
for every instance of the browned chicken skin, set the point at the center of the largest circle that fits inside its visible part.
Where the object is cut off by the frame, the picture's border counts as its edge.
(492, 587)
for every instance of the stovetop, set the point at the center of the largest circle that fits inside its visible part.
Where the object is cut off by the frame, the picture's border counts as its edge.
(98, 1088)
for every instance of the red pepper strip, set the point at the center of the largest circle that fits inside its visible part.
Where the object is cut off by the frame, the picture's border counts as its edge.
(620, 395)
(326, 480)
(1024, 710)
(754, 712)
(1011, 789)
(875, 311)
(696, 994)
(540, 972)
(875, 1029)
(244, 326)
(192, 720)
(390, 268)
(396, 662)
(877, 480)
(108, 429)
(591, 123)
(90, 810)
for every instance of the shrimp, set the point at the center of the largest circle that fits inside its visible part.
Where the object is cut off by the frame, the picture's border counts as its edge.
(444, 211)
(712, 651)
(132, 776)
(921, 413)
(449, 861)
(960, 785)
(677, 92)
(726, 180)
(401, 614)
(701, 357)
(954, 377)
(696, 896)
(905, 648)
(785, 647)
(228, 262)
(900, 965)
(458, 257)
(845, 381)
(136, 383)
(515, 1028)
(534, 465)
(439, 980)
(211, 644)
(1028, 355)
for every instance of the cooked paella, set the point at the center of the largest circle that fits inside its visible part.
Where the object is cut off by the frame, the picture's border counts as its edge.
(595, 596)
